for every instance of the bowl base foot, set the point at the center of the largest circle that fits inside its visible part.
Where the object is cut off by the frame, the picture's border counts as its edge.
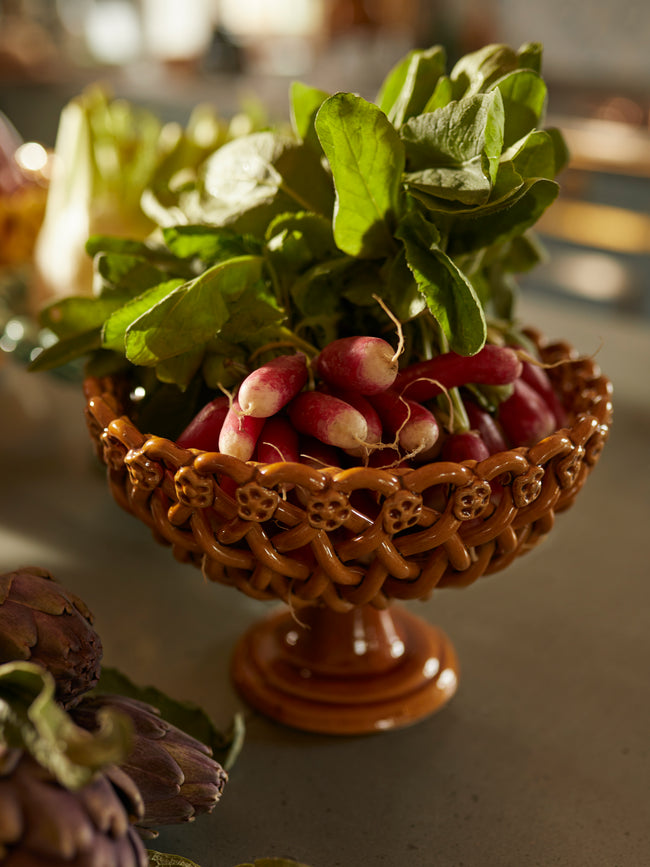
(355, 672)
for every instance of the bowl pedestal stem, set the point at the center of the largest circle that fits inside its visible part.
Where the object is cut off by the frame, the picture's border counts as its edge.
(354, 672)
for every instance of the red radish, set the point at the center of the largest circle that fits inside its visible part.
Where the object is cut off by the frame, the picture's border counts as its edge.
(239, 433)
(428, 455)
(467, 446)
(525, 416)
(492, 365)
(270, 387)
(278, 441)
(367, 410)
(318, 454)
(204, 429)
(414, 425)
(537, 378)
(228, 485)
(328, 418)
(364, 364)
(387, 458)
(486, 426)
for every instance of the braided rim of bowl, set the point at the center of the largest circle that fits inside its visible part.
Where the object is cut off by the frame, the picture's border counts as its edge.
(356, 536)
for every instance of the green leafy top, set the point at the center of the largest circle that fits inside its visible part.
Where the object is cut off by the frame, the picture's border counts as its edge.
(424, 198)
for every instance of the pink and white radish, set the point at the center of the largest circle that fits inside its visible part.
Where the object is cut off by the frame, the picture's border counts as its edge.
(525, 417)
(271, 386)
(491, 365)
(414, 425)
(328, 418)
(367, 410)
(204, 429)
(366, 365)
(239, 433)
(278, 441)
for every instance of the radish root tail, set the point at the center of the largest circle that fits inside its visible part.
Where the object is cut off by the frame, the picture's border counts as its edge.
(522, 355)
(396, 322)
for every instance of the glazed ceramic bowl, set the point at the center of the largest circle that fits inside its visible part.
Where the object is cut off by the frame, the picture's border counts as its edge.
(338, 545)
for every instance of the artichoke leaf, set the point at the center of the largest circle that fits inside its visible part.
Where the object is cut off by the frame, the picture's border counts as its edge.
(32, 720)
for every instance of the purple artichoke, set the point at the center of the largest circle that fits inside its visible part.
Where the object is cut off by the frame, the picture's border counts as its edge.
(42, 622)
(44, 823)
(175, 773)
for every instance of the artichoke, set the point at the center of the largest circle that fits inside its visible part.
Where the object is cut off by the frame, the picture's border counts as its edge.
(44, 823)
(42, 622)
(175, 773)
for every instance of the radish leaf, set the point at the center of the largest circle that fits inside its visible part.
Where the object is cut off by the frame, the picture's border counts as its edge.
(67, 349)
(249, 180)
(207, 243)
(448, 293)
(534, 156)
(477, 71)
(367, 160)
(305, 102)
(524, 97)
(181, 369)
(408, 87)
(478, 232)
(115, 327)
(432, 140)
(191, 314)
(76, 314)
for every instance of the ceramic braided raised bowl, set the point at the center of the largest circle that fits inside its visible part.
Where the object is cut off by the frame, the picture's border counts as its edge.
(345, 542)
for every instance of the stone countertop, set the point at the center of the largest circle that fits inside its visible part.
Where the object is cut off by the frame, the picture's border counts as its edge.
(540, 759)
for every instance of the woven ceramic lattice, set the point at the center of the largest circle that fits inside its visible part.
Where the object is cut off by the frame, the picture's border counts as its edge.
(347, 537)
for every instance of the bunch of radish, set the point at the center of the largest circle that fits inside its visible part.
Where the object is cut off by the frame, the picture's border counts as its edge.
(351, 404)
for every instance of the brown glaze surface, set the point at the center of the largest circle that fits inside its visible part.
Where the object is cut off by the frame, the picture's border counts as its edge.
(346, 539)
(361, 671)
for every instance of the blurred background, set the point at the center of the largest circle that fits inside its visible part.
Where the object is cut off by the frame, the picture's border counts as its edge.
(169, 55)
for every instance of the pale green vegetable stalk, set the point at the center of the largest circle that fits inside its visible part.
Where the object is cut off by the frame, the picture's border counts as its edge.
(107, 153)
(95, 187)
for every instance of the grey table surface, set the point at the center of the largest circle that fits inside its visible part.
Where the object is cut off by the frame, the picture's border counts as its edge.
(541, 758)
